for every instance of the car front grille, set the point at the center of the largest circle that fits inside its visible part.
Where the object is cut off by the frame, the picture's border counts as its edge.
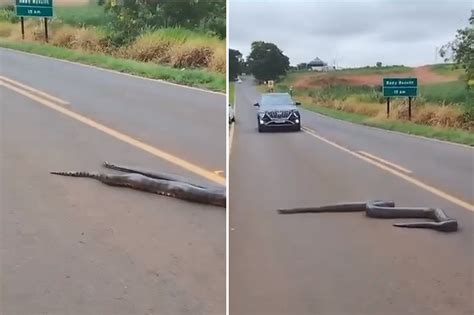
(279, 114)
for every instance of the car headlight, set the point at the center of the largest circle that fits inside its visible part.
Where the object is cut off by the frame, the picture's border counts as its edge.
(296, 113)
(261, 115)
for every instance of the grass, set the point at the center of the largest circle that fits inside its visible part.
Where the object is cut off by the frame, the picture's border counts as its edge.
(198, 78)
(374, 70)
(453, 92)
(447, 69)
(453, 135)
(82, 15)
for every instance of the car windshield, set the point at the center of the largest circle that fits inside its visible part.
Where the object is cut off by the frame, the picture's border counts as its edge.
(276, 100)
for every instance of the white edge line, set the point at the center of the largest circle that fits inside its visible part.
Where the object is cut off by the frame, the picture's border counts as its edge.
(115, 71)
(392, 131)
(405, 170)
(33, 90)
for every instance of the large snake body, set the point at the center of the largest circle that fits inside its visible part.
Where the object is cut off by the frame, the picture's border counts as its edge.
(158, 183)
(387, 210)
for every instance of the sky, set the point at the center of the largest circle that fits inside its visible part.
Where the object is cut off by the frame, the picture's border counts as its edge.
(349, 33)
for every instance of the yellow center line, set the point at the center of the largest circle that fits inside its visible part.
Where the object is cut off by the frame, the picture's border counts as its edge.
(410, 179)
(400, 168)
(33, 90)
(121, 136)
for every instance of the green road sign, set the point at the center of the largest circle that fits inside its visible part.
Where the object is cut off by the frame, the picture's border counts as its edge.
(400, 87)
(40, 8)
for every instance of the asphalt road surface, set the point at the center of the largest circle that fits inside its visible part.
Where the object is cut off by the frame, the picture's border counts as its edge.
(76, 246)
(345, 263)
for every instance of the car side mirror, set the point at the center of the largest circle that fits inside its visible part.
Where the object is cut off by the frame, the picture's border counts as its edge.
(297, 103)
(256, 104)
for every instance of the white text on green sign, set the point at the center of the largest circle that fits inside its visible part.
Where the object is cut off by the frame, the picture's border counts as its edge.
(35, 3)
(400, 82)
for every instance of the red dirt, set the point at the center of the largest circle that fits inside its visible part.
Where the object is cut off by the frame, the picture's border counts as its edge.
(424, 74)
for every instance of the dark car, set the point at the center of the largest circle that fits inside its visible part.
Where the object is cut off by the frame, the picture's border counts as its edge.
(278, 110)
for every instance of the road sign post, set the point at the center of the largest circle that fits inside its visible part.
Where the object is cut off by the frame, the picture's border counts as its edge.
(409, 107)
(46, 29)
(400, 87)
(34, 8)
(388, 107)
(22, 28)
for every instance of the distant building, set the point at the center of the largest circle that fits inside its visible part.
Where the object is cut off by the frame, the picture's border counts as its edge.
(318, 65)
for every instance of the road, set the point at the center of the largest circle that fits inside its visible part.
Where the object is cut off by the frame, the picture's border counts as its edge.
(76, 246)
(345, 263)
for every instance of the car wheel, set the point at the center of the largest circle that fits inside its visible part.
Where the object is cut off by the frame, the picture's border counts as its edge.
(297, 128)
(260, 128)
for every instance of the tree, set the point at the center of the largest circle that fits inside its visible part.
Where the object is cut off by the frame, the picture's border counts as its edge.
(235, 64)
(461, 49)
(379, 64)
(267, 62)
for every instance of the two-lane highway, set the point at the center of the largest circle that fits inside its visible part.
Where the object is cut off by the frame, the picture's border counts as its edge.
(76, 246)
(345, 263)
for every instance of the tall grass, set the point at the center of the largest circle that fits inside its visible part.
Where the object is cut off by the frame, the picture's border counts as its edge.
(444, 104)
(178, 47)
(6, 29)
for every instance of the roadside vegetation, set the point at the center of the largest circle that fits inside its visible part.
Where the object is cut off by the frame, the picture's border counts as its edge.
(182, 42)
(442, 110)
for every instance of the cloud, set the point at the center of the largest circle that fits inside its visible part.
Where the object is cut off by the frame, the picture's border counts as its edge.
(354, 33)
